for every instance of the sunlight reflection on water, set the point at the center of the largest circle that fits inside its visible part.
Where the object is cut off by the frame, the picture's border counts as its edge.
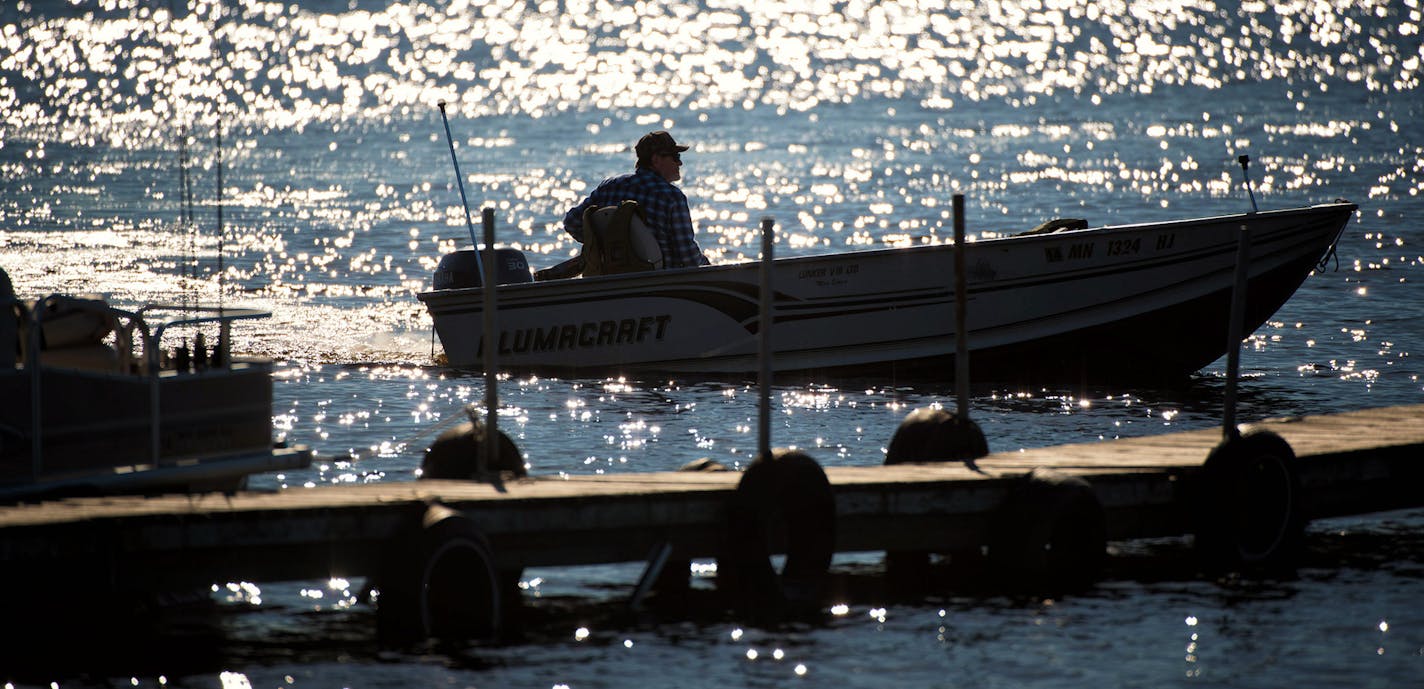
(849, 122)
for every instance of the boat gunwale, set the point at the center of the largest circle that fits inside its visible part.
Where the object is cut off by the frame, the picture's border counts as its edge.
(518, 290)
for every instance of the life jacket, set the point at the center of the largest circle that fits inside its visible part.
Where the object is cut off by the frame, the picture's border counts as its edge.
(617, 239)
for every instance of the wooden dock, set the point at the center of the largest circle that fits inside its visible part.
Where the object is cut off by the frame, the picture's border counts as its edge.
(1349, 463)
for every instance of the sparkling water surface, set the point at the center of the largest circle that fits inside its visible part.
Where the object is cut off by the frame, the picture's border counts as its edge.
(851, 124)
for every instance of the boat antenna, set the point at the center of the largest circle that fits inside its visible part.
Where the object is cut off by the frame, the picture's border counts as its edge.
(185, 213)
(1245, 161)
(221, 233)
(460, 182)
(187, 270)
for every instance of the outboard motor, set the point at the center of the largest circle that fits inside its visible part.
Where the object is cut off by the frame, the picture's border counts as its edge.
(459, 269)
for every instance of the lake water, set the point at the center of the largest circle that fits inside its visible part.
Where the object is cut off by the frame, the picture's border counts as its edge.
(851, 124)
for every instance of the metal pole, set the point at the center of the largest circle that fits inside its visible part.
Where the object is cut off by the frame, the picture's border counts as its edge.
(460, 182)
(764, 342)
(491, 340)
(1245, 161)
(32, 368)
(1234, 335)
(221, 232)
(961, 300)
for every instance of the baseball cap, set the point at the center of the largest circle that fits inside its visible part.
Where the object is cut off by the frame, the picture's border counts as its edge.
(657, 142)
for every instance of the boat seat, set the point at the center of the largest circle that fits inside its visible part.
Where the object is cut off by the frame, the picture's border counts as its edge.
(1058, 225)
(73, 332)
(617, 239)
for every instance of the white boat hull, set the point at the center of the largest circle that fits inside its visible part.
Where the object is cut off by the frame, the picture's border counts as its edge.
(1110, 302)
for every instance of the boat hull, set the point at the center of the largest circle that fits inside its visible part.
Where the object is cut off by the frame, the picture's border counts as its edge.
(101, 429)
(1132, 301)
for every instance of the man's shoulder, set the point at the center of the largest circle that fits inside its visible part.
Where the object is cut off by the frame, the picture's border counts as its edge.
(618, 181)
(642, 183)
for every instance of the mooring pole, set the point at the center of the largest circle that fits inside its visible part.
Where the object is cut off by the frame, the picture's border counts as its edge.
(491, 345)
(1234, 335)
(961, 303)
(764, 343)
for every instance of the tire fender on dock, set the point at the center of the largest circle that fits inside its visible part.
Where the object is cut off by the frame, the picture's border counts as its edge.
(928, 434)
(782, 504)
(1247, 503)
(455, 455)
(935, 435)
(1050, 532)
(440, 581)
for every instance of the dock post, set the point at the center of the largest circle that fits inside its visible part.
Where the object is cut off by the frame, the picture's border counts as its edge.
(961, 303)
(491, 336)
(1234, 335)
(764, 342)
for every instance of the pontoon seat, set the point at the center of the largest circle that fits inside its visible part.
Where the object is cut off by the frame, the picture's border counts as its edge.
(73, 332)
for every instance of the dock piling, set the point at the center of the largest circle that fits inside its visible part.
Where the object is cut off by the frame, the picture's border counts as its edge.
(961, 306)
(491, 337)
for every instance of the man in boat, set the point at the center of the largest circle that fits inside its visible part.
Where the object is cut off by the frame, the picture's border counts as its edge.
(664, 205)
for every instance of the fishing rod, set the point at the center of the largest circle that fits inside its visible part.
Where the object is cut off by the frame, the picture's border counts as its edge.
(460, 182)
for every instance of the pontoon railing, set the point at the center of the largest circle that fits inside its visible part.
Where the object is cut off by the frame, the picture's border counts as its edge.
(152, 354)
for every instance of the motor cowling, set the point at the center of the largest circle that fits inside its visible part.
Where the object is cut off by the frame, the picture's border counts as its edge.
(460, 269)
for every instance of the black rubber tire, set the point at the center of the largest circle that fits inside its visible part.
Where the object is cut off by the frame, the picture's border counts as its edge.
(440, 582)
(785, 500)
(927, 435)
(935, 435)
(455, 453)
(1248, 503)
(1049, 534)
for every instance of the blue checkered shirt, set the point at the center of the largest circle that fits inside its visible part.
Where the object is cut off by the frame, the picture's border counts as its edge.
(664, 206)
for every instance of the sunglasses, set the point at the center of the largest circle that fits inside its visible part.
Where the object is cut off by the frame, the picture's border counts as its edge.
(675, 156)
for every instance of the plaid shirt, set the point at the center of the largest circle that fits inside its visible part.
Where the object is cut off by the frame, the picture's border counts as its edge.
(664, 205)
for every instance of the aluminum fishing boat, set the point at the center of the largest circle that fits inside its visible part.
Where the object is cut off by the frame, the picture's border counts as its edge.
(1136, 301)
(83, 414)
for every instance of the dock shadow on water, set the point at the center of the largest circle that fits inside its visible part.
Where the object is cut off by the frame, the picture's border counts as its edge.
(188, 640)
